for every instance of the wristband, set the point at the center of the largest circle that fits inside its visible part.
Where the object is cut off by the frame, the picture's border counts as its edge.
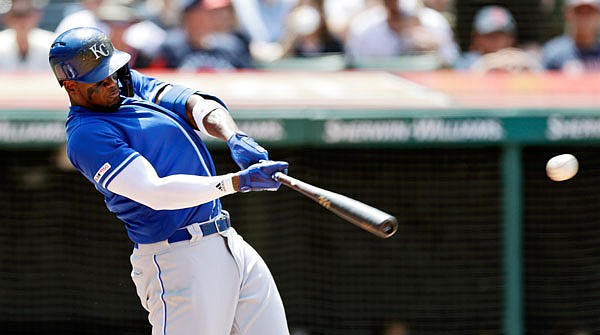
(201, 110)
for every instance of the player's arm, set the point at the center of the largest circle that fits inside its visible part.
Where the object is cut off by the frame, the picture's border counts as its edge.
(210, 115)
(195, 107)
(139, 181)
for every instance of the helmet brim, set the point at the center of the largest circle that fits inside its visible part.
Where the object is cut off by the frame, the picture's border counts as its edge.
(116, 61)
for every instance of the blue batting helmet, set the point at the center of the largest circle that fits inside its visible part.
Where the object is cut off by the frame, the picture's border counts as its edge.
(85, 54)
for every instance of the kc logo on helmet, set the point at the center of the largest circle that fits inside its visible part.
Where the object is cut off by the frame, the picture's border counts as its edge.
(100, 49)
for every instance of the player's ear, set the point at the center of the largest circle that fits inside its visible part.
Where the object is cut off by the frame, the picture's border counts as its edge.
(69, 85)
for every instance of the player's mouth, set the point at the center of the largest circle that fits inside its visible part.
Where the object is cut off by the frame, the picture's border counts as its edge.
(115, 94)
(114, 100)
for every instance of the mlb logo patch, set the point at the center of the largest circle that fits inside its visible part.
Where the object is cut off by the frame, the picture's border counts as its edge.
(101, 172)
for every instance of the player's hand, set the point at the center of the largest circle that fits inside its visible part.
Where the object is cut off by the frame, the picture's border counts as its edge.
(245, 151)
(257, 177)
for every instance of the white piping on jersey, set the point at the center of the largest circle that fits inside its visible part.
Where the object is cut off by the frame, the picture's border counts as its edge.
(118, 168)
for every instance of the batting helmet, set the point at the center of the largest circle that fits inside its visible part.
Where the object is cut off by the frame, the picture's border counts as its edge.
(86, 55)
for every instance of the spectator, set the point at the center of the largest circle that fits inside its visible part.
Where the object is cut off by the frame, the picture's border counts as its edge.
(318, 40)
(85, 15)
(339, 13)
(166, 14)
(145, 37)
(206, 40)
(264, 22)
(444, 7)
(401, 27)
(578, 49)
(493, 41)
(23, 45)
(306, 34)
(122, 23)
(439, 5)
(119, 19)
(143, 40)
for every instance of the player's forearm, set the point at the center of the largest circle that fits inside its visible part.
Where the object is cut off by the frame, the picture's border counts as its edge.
(210, 117)
(139, 182)
(183, 191)
(220, 124)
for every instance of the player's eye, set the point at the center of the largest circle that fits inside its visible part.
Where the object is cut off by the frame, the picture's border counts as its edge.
(113, 77)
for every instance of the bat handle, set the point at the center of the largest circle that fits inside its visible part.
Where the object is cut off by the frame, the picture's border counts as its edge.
(285, 179)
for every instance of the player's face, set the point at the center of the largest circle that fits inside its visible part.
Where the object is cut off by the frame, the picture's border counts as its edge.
(101, 96)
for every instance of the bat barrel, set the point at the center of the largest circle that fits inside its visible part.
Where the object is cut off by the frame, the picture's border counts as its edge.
(358, 213)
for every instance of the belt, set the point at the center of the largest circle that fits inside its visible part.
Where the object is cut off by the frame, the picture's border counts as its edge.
(217, 225)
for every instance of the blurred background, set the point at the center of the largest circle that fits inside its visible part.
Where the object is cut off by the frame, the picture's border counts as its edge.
(443, 113)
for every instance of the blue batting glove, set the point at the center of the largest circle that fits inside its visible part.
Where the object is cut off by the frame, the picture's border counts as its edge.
(245, 151)
(258, 177)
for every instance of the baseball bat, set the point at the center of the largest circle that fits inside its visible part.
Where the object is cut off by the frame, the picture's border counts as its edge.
(371, 219)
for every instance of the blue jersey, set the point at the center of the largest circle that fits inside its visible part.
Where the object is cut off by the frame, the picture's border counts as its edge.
(101, 144)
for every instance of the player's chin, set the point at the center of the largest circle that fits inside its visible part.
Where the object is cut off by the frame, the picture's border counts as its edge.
(113, 104)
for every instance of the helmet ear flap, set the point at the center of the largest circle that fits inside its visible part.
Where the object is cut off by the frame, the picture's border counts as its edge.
(124, 77)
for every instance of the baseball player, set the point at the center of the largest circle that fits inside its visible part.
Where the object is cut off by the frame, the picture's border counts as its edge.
(135, 139)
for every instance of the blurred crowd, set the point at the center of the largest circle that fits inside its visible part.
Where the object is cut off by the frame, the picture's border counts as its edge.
(222, 35)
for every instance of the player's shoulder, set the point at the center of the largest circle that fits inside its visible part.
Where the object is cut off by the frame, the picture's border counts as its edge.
(88, 136)
(78, 130)
(146, 87)
(82, 124)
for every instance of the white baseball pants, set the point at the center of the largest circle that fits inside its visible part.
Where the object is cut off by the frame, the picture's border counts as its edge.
(218, 285)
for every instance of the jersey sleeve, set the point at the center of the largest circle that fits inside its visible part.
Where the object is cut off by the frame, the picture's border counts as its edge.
(99, 153)
(146, 87)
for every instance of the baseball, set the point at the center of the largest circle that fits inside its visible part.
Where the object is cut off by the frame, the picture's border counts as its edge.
(562, 167)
